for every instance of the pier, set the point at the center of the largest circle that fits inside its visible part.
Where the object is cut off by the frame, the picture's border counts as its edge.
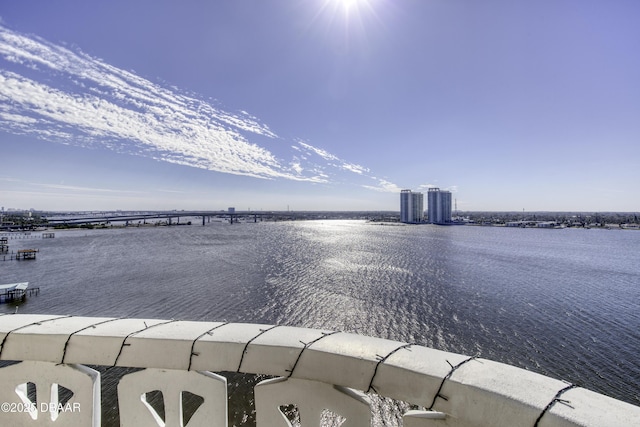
(16, 292)
(26, 254)
(21, 255)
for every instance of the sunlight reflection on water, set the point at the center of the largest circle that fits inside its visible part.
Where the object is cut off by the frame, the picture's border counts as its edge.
(564, 303)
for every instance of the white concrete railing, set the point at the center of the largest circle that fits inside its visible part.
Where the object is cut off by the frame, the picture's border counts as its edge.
(315, 370)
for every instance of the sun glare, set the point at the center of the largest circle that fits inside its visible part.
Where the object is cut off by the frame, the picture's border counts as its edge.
(349, 10)
(349, 6)
(348, 23)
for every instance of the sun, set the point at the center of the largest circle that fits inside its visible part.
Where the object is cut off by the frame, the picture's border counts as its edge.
(347, 22)
(347, 4)
(350, 5)
(350, 10)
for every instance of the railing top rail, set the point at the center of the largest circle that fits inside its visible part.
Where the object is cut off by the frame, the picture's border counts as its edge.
(430, 378)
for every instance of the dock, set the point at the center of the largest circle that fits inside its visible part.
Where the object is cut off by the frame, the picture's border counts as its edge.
(20, 255)
(16, 292)
(23, 254)
(26, 254)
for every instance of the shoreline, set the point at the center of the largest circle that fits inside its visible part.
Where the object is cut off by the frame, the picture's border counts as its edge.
(45, 229)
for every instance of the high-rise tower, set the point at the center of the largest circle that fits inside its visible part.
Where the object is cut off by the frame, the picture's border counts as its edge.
(411, 206)
(439, 205)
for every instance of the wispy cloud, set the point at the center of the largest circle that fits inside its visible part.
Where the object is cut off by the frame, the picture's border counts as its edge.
(58, 94)
(24, 184)
(165, 190)
(319, 151)
(384, 186)
(426, 187)
(76, 188)
(334, 160)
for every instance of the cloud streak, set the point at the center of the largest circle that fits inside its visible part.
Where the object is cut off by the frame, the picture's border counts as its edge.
(71, 188)
(60, 95)
(384, 186)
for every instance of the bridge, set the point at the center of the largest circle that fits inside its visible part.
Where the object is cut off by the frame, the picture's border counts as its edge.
(316, 374)
(75, 219)
(232, 217)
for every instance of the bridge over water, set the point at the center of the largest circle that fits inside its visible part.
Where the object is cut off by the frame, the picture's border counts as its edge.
(232, 217)
(76, 219)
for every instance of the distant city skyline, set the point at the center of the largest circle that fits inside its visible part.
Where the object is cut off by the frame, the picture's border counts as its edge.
(319, 104)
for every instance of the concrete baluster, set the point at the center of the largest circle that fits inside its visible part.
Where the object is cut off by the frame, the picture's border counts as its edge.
(82, 409)
(312, 399)
(135, 411)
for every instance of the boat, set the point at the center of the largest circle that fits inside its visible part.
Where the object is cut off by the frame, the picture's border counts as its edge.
(13, 292)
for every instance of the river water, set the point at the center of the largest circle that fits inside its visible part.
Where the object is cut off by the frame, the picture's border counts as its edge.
(564, 303)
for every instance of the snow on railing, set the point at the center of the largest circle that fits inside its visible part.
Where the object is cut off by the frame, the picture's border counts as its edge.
(314, 370)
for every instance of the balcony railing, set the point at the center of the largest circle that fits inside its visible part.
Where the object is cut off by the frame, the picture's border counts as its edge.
(314, 371)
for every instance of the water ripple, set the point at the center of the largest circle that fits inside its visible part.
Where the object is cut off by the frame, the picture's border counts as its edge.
(564, 303)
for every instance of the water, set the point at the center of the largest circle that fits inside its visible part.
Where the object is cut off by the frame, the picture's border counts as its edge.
(564, 303)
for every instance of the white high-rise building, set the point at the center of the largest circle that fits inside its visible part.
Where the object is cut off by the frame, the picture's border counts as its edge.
(411, 206)
(439, 205)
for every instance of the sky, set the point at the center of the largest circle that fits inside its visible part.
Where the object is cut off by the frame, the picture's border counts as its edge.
(319, 104)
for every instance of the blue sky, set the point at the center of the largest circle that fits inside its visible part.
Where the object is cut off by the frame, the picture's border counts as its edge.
(319, 104)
